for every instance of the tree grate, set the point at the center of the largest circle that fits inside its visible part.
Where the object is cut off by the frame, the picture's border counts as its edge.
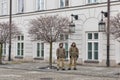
(46, 78)
(117, 74)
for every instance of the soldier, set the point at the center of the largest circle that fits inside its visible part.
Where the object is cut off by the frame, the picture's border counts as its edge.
(60, 56)
(74, 54)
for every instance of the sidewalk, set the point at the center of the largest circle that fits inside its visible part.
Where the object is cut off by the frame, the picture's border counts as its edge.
(81, 70)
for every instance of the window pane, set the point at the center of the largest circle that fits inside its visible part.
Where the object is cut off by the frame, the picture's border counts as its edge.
(89, 46)
(20, 6)
(22, 37)
(66, 49)
(22, 46)
(38, 49)
(61, 3)
(18, 37)
(22, 52)
(42, 49)
(22, 49)
(89, 35)
(61, 37)
(95, 46)
(18, 49)
(66, 36)
(89, 55)
(95, 35)
(42, 53)
(89, 1)
(40, 4)
(96, 55)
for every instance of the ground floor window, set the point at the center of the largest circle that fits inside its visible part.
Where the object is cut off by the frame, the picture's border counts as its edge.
(92, 46)
(20, 49)
(66, 50)
(4, 49)
(40, 50)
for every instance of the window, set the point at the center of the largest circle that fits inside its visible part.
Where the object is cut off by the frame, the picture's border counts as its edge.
(66, 50)
(20, 46)
(64, 3)
(40, 50)
(92, 1)
(20, 6)
(3, 4)
(40, 4)
(64, 37)
(92, 46)
(4, 49)
(20, 49)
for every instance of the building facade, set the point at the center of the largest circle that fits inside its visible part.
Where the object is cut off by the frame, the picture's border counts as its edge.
(91, 43)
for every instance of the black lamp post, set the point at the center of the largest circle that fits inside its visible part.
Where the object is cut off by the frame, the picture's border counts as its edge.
(102, 28)
(10, 25)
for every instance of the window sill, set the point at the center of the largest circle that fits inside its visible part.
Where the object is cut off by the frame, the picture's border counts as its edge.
(38, 58)
(19, 57)
(91, 61)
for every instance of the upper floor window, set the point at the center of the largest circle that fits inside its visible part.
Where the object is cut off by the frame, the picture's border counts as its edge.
(40, 4)
(20, 6)
(3, 5)
(92, 1)
(64, 3)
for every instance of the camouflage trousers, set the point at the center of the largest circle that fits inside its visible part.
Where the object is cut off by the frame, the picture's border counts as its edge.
(73, 62)
(60, 63)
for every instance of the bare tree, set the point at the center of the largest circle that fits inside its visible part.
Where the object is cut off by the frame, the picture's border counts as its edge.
(48, 29)
(5, 33)
(115, 26)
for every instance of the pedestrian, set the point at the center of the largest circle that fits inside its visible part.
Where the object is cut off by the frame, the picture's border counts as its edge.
(60, 56)
(74, 54)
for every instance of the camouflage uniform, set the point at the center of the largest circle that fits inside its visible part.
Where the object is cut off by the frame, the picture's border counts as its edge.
(74, 54)
(60, 57)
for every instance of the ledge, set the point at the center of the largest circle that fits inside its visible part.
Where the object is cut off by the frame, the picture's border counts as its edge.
(38, 58)
(89, 61)
(19, 57)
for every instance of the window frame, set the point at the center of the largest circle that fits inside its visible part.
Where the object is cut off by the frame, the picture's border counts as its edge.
(92, 41)
(20, 46)
(62, 3)
(39, 50)
(4, 7)
(20, 6)
(39, 5)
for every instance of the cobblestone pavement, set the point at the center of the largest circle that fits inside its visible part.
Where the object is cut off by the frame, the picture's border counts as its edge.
(31, 71)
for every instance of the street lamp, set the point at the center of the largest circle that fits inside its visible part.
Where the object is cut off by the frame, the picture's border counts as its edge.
(72, 25)
(102, 28)
(101, 24)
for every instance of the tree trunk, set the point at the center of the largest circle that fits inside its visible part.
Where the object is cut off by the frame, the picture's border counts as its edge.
(50, 57)
(0, 53)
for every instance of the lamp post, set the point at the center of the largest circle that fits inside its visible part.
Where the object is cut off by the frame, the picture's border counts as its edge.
(108, 34)
(10, 25)
(102, 29)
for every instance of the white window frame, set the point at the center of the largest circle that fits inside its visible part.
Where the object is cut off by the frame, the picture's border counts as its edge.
(92, 41)
(64, 3)
(20, 6)
(40, 50)
(20, 41)
(40, 5)
(66, 50)
(4, 7)
(4, 49)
